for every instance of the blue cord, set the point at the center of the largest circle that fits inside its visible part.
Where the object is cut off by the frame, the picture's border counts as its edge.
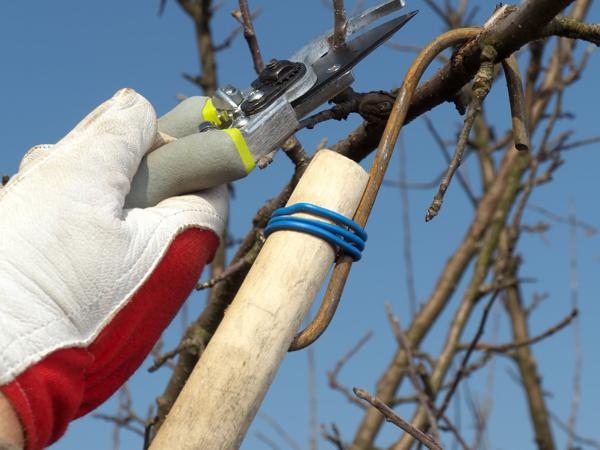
(345, 234)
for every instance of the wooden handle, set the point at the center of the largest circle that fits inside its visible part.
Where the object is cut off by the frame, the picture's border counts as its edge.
(227, 386)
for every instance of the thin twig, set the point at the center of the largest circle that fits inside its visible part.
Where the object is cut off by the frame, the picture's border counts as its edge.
(579, 143)
(229, 271)
(280, 431)
(184, 345)
(226, 43)
(267, 440)
(125, 417)
(245, 18)
(414, 49)
(503, 348)
(465, 360)
(312, 399)
(425, 401)
(576, 399)
(334, 437)
(414, 184)
(333, 374)
(122, 422)
(436, 9)
(576, 437)
(482, 84)
(444, 148)
(438, 200)
(535, 162)
(485, 407)
(409, 271)
(201, 14)
(340, 23)
(587, 228)
(392, 417)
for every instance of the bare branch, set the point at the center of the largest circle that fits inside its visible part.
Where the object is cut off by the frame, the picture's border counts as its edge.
(576, 398)
(503, 348)
(481, 86)
(425, 401)
(444, 148)
(572, 28)
(576, 437)
(267, 440)
(333, 374)
(414, 49)
(406, 233)
(226, 43)
(244, 16)
(201, 13)
(465, 359)
(187, 344)
(334, 437)
(340, 22)
(508, 36)
(392, 417)
(312, 399)
(280, 431)
(587, 228)
(229, 271)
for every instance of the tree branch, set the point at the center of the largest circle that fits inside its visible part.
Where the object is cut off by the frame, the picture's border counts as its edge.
(245, 19)
(506, 36)
(569, 27)
(392, 417)
(338, 39)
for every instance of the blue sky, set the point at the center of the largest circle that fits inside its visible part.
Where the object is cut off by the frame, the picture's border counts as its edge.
(61, 59)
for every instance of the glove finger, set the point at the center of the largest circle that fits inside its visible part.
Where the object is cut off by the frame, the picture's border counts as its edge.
(184, 119)
(38, 152)
(94, 164)
(34, 154)
(115, 136)
(190, 164)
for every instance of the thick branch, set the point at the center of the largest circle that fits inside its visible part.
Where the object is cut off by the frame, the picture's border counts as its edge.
(572, 28)
(528, 370)
(506, 36)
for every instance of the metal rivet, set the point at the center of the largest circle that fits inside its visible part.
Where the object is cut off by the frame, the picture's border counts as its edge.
(256, 95)
(334, 68)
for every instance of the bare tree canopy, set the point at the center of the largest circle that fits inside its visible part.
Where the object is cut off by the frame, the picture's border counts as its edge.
(469, 322)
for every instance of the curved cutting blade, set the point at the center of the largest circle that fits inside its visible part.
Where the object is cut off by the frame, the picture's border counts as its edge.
(319, 46)
(335, 64)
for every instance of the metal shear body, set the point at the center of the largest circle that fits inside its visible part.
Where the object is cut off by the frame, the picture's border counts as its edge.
(257, 120)
(269, 111)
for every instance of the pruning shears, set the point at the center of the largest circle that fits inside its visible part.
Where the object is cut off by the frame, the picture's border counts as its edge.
(257, 120)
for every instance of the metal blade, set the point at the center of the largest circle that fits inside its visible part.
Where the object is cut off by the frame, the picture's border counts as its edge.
(336, 63)
(367, 17)
(316, 48)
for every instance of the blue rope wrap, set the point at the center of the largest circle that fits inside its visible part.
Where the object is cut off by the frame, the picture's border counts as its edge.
(344, 234)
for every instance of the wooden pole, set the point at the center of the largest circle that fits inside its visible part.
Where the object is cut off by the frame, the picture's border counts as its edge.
(224, 391)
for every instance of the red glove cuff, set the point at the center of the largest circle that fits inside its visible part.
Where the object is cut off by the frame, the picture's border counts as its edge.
(71, 382)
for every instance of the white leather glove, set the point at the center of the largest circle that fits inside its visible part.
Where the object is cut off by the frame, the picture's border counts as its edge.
(87, 287)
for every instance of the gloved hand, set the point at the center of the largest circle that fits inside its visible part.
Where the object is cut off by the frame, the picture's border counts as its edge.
(88, 286)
